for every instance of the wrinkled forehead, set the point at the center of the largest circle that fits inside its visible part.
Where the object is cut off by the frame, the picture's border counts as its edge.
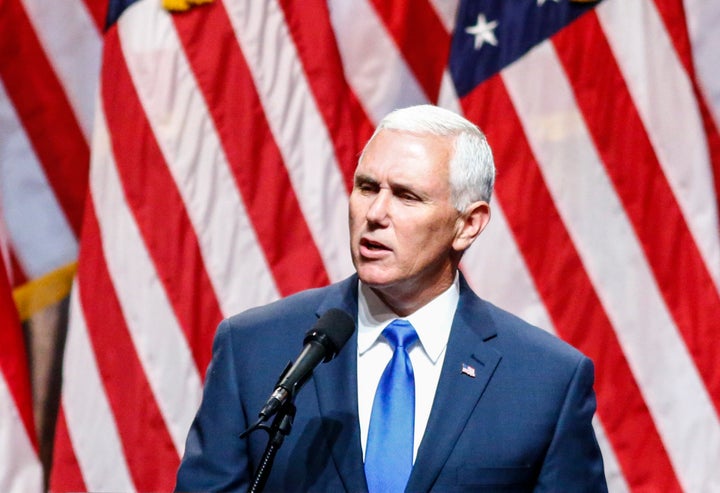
(403, 149)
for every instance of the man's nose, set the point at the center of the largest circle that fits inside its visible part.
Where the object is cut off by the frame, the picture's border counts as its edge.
(378, 210)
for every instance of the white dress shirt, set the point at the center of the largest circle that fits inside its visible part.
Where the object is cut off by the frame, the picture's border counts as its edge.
(432, 323)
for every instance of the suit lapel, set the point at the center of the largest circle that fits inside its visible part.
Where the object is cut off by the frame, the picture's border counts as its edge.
(457, 393)
(336, 386)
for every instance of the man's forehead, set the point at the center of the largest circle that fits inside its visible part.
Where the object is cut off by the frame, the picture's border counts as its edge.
(399, 172)
(399, 150)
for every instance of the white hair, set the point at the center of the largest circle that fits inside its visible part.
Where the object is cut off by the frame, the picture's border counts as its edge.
(471, 167)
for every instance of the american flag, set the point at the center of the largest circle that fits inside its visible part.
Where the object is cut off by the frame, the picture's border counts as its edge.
(221, 144)
(49, 59)
(468, 370)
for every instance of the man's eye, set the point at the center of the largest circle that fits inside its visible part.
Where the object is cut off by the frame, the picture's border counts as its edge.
(366, 187)
(411, 197)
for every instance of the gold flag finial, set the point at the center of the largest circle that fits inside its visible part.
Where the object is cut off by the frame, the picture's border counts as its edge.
(181, 5)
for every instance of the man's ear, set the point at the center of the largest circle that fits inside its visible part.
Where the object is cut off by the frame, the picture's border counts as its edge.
(470, 224)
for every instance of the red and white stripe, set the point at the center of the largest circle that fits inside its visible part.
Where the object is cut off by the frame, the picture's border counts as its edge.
(224, 142)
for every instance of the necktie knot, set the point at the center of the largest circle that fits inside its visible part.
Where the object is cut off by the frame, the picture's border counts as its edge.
(400, 333)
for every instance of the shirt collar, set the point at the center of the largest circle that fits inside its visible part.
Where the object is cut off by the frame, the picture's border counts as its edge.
(432, 322)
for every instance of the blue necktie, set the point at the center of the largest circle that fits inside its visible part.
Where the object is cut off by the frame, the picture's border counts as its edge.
(389, 450)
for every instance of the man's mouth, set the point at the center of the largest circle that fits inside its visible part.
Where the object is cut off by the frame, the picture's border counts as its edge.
(372, 246)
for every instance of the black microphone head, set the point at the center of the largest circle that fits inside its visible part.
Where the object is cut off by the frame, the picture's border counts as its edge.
(332, 330)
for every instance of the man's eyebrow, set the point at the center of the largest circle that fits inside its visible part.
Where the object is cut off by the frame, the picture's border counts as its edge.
(400, 188)
(362, 178)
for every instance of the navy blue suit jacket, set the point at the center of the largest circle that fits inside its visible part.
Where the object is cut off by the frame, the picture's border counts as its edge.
(523, 423)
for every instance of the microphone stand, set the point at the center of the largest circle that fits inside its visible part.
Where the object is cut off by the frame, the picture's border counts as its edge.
(280, 428)
(277, 431)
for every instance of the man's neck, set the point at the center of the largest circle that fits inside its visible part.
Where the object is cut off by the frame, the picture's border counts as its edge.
(404, 304)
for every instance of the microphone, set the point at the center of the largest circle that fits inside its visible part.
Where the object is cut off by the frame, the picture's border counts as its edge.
(322, 343)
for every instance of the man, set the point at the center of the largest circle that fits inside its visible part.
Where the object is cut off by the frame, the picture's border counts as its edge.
(498, 404)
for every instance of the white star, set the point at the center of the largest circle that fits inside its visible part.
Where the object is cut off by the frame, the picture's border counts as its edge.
(542, 2)
(483, 31)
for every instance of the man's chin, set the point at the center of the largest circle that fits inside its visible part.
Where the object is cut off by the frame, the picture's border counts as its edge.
(372, 282)
(375, 280)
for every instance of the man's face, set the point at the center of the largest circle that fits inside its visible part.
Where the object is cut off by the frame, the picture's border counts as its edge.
(403, 227)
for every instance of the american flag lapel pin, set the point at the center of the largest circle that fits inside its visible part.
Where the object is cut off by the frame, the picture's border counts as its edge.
(468, 370)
